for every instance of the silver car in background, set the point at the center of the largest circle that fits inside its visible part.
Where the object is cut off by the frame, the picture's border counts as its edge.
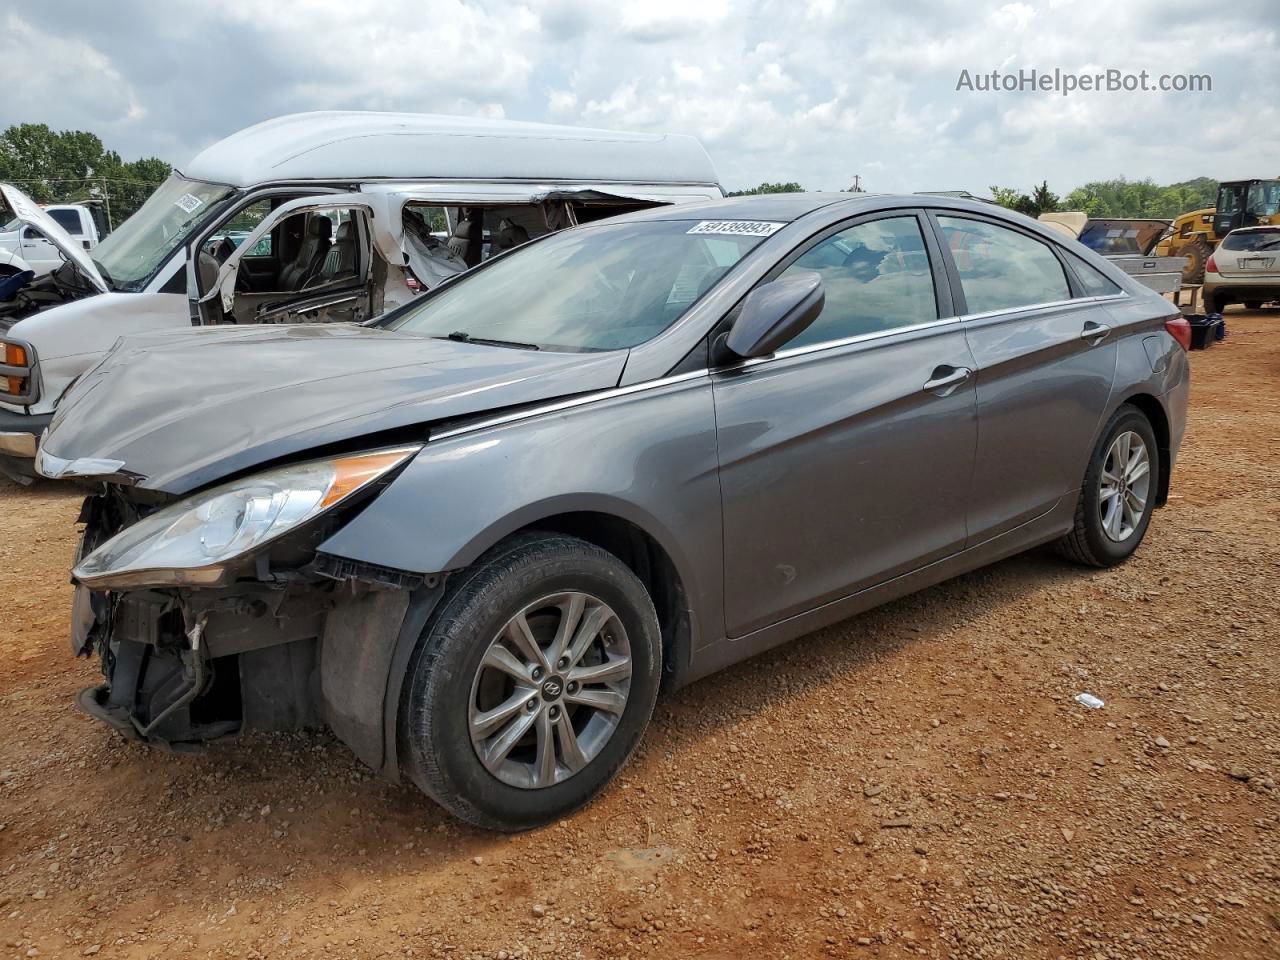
(474, 536)
(1244, 269)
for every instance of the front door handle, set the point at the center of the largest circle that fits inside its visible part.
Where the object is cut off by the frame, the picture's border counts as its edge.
(1095, 333)
(945, 379)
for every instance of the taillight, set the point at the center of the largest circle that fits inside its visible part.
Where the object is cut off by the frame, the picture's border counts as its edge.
(1211, 265)
(1180, 330)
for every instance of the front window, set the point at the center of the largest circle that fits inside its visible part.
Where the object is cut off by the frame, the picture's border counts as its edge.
(876, 277)
(130, 255)
(605, 287)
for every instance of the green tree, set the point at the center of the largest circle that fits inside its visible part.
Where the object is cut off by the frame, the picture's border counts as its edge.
(1043, 199)
(1141, 198)
(1009, 197)
(73, 165)
(1040, 200)
(768, 188)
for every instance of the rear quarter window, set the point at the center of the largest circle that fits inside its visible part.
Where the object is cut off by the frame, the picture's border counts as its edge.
(1094, 282)
(1002, 269)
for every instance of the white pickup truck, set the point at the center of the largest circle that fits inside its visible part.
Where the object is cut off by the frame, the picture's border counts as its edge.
(25, 247)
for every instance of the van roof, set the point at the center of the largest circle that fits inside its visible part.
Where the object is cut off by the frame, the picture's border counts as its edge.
(347, 146)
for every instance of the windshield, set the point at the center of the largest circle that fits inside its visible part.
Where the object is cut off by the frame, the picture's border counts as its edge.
(603, 287)
(134, 251)
(1253, 240)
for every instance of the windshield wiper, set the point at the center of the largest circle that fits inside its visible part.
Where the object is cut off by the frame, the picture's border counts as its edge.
(461, 336)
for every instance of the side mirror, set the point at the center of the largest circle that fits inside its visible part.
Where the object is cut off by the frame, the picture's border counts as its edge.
(774, 313)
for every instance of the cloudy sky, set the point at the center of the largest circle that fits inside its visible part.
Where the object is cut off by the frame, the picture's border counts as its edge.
(808, 90)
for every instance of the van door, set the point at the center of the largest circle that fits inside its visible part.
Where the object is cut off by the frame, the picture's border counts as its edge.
(327, 275)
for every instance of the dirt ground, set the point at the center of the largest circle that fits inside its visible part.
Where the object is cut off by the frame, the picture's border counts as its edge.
(916, 782)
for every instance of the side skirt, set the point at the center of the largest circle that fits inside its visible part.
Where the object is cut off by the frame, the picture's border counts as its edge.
(1033, 533)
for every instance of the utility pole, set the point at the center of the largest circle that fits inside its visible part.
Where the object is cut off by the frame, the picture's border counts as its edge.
(857, 184)
(106, 199)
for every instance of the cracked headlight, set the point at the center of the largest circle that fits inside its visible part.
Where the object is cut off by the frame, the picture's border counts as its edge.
(189, 543)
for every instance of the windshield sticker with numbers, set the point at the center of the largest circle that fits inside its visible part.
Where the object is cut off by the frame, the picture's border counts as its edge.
(188, 203)
(738, 228)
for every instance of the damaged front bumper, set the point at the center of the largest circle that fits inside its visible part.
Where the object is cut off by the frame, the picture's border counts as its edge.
(299, 641)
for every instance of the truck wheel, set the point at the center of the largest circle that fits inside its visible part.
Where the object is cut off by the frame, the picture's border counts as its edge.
(1197, 253)
(533, 684)
(1253, 304)
(1118, 495)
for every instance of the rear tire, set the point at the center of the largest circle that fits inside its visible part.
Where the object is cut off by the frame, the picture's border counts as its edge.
(476, 685)
(1108, 528)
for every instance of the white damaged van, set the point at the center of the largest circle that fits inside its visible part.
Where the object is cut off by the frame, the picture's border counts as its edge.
(314, 217)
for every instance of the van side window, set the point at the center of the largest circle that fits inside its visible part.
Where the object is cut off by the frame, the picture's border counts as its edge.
(1095, 284)
(876, 277)
(1001, 269)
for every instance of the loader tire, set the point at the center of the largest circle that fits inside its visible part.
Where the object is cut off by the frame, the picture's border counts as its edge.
(1197, 253)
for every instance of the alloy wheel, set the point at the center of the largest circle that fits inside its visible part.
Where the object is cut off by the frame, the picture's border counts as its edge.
(1124, 486)
(550, 690)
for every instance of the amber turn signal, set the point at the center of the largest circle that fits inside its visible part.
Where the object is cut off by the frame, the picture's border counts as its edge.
(14, 356)
(352, 473)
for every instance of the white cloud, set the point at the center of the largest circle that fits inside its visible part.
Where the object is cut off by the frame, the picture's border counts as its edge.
(65, 76)
(813, 92)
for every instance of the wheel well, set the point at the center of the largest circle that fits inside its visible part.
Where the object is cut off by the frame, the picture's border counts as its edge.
(647, 560)
(1154, 412)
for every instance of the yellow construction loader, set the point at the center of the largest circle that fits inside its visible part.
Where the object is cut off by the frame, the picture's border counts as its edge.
(1195, 235)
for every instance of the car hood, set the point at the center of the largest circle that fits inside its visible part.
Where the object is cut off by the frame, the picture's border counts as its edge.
(175, 411)
(30, 214)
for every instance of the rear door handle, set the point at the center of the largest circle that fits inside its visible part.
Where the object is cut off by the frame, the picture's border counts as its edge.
(945, 379)
(1095, 333)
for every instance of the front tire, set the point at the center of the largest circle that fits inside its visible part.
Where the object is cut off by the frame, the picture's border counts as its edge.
(1118, 495)
(533, 683)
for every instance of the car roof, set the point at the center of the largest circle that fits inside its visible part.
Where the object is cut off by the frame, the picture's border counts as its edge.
(787, 207)
(347, 146)
(1260, 228)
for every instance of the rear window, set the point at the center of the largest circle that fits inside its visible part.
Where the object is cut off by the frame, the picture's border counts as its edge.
(1002, 269)
(68, 220)
(1253, 240)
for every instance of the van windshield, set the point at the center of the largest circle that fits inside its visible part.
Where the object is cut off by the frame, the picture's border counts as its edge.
(605, 287)
(130, 255)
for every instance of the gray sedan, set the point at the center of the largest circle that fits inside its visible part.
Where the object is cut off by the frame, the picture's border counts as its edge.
(475, 536)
